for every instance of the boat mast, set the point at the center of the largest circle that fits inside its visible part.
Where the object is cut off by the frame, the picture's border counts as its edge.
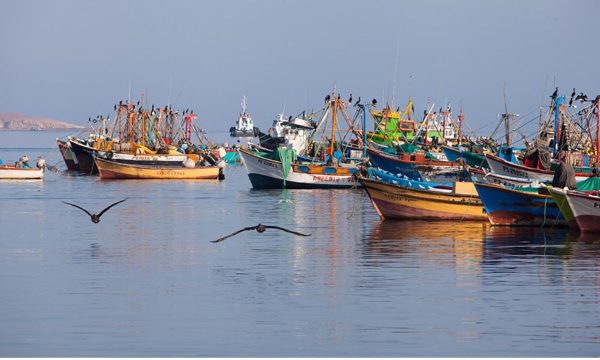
(597, 129)
(506, 118)
(557, 131)
(444, 118)
(336, 101)
(461, 117)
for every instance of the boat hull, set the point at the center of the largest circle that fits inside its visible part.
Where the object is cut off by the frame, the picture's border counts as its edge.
(479, 175)
(395, 202)
(472, 159)
(563, 205)
(507, 207)
(113, 170)
(67, 155)
(9, 172)
(268, 174)
(586, 210)
(85, 157)
(420, 170)
(502, 167)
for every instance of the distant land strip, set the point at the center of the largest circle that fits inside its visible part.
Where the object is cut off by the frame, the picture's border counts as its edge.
(20, 122)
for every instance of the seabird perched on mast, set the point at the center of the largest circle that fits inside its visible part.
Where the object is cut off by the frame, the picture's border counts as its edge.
(554, 94)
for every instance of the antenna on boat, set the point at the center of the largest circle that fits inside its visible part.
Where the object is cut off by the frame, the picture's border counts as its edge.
(506, 117)
(395, 74)
(169, 97)
(129, 94)
(461, 117)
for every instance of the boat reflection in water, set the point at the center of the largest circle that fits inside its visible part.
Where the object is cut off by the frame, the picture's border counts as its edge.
(447, 243)
(394, 237)
(476, 248)
(506, 242)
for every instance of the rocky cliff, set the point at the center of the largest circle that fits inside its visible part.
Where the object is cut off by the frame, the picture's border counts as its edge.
(20, 122)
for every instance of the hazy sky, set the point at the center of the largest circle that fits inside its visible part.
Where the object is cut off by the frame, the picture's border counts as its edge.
(73, 59)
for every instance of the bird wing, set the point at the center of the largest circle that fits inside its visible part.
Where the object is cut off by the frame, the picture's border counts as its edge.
(79, 207)
(235, 233)
(280, 228)
(109, 206)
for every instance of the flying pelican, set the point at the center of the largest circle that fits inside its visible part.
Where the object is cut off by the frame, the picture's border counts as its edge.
(260, 228)
(95, 217)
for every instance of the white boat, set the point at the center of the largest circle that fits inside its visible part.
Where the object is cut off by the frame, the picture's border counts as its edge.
(485, 177)
(244, 126)
(293, 132)
(10, 172)
(503, 167)
(22, 171)
(266, 173)
(585, 208)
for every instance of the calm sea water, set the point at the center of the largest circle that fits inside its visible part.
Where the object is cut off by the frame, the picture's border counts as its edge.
(146, 281)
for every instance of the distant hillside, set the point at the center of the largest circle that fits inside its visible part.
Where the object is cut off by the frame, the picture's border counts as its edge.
(13, 122)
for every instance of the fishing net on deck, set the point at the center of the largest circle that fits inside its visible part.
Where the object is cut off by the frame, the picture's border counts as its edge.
(285, 156)
(592, 183)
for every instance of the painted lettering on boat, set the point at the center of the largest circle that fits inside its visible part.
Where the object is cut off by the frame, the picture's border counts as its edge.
(145, 157)
(267, 163)
(171, 172)
(332, 178)
(512, 171)
(396, 197)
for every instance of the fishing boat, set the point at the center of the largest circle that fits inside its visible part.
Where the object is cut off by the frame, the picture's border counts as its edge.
(397, 127)
(560, 198)
(12, 172)
(560, 138)
(325, 164)
(84, 153)
(21, 170)
(503, 167)
(114, 170)
(487, 177)
(585, 209)
(67, 154)
(590, 186)
(293, 132)
(470, 158)
(277, 170)
(393, 127)
(244, 126)
(524, 206)
(397, 198)
(417, 166)
(140, 136)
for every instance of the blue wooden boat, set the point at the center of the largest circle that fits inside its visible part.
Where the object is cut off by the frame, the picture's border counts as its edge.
(514, 207)
(471, 158)
(417, 166)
